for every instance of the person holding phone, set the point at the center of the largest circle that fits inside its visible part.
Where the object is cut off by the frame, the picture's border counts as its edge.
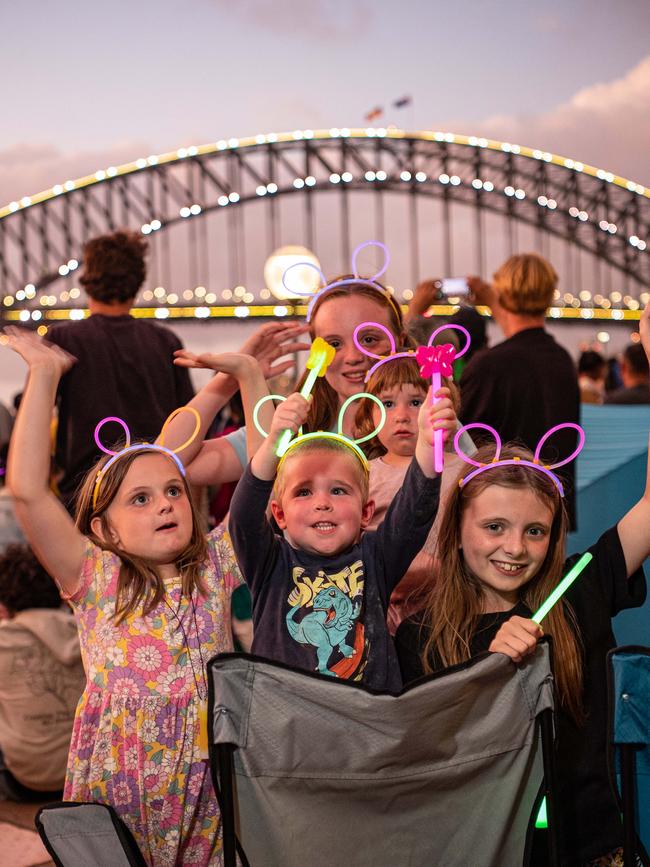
(528, 383)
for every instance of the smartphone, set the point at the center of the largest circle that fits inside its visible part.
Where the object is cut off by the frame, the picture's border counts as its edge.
(454, 287)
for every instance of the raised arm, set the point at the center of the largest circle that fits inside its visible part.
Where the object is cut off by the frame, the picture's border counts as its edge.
(219, 463)
(439, 416)
(634, 526)
(49, 528)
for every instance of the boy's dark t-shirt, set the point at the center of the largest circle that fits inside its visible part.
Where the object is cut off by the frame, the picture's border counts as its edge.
(328, 614)
(589, 818)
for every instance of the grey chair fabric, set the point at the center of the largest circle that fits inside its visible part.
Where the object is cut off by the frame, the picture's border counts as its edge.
(328, 773)
(87, 835)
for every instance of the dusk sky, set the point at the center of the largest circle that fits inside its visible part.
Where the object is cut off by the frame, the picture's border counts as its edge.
(87, 85)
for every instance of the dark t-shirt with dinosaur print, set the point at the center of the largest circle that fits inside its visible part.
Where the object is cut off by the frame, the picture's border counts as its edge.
(328, 614)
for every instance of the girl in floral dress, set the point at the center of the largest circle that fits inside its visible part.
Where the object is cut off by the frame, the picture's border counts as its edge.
(151, 595)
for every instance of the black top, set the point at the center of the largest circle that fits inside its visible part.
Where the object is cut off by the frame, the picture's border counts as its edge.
(328, 614)
(522, 388)
(124, 368)
(588, 812)
(634, 394)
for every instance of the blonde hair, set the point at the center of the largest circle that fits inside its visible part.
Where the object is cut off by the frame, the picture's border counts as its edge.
(324, 407)
(314, 446)
(138, 582)
(455, 604)
(525, 284)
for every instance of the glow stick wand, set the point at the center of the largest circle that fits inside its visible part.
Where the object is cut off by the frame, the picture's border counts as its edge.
(321, 356)
(562, 587)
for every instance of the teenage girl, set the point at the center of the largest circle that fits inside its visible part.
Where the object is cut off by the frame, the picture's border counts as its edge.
(501, 553)
(151, 595)
(402, 390)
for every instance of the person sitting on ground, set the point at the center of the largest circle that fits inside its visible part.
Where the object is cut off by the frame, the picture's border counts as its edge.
(635, 374)
(592, 369)
(41, 679)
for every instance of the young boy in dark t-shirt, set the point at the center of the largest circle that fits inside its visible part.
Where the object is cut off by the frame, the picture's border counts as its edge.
(321, 592)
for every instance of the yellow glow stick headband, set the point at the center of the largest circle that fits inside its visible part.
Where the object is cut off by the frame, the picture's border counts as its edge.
(156, 447)
(339, 436)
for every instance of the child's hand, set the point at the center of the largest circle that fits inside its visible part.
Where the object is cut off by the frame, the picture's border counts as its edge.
(438, 416)
(272, 341)
(232, 363)
(517, 638)
(289, 415)
(36, 351)
(644, 329)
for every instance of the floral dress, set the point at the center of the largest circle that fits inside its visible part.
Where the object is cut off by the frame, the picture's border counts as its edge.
(135, 741)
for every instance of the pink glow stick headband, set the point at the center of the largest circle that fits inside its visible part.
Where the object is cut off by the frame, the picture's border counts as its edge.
(339, 436)
(347, 281)
(156, 447)
(435, 362)
(535, 464)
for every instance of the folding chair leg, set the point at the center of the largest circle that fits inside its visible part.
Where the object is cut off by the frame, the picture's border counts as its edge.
(227, 805)
(628, 798)
(550, 785)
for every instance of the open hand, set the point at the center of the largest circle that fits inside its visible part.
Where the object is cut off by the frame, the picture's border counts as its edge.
(517, 638)
(232, 363)
(275, 340)
(36, 352)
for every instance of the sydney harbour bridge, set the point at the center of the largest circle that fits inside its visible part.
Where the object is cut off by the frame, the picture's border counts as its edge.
(444, 204)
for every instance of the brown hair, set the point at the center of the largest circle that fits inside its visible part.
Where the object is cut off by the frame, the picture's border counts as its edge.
(398, 372)
(324, 407)
(114, 266)
(455, 603)
(525, 284)
(321, 444)
(138, 582)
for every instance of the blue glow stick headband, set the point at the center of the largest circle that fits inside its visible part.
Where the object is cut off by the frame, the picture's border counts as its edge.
(155, 447)
(338, 436)
(326, 287)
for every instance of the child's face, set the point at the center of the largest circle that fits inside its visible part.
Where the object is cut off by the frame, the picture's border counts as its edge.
(150, 515)
(400, 433)
(321, 506)
(335, 322)
(505, 534)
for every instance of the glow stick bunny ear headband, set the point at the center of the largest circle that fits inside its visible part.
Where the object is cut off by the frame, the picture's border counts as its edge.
(435, 362)
(339, 436)
(155, 447)
(348, 281)
(535, 464)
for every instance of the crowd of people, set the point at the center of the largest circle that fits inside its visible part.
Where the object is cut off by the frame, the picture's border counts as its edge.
(363, 560)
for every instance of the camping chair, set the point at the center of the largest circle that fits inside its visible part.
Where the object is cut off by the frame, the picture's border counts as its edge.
(87, 835)
(628, 670)
(319, 771)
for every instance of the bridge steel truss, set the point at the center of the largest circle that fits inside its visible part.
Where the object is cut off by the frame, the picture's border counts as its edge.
(608, 217)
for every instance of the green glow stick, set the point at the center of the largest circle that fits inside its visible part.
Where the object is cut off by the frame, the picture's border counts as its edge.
(562, 587)
(320, 357)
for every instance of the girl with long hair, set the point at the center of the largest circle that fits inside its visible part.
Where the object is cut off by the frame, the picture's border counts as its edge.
(501, 553)
(151, 595)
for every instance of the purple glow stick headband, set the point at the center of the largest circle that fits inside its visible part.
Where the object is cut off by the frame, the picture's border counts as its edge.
(156, 447)
(434, 361)
(339, 436)
(535, 464)
(347, 281)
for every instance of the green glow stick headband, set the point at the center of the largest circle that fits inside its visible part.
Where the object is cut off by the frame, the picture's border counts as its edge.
(338, 435)
(562, 587)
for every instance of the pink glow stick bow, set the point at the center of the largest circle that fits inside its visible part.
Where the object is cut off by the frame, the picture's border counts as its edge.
(435, 362)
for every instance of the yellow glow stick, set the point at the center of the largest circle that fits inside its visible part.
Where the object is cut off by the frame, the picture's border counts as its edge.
(321, 355)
